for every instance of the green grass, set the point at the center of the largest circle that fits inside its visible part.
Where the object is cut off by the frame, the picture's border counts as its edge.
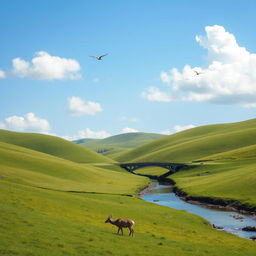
(113, 145)
(54, 146)
(152, 170)
(243, 153)
(25, 166)
(235, 180)
(195, 143)
(44, 222)
(41, 216)
(228, 154)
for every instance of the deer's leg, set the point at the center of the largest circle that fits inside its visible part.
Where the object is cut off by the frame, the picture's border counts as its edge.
(118, 230)
(131, 231)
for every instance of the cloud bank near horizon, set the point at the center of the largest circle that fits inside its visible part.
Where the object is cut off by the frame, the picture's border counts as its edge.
(177, 128)
(229, 78)
(27, 123)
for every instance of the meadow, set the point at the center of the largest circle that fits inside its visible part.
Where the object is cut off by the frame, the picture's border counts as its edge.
(52, 205)
(195, 144)
(114, 145)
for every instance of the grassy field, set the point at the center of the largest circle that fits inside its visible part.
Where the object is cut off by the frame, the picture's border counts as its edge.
(38, 169)
(227, 180)
(52, 206)
(54, 146)
(152, 170)
(114, 145)
(194, 144)
(44, 222)
(223, 156)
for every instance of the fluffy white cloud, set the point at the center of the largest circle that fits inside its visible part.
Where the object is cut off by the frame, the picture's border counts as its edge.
(177, 128)
(46, 66)
(230, 77)
(28, 122)
(154, 94)
(79, 107)
(88, 133)
(129, 130)
(2, 74)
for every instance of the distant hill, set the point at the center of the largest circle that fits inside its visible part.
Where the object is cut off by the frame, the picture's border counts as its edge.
(118, 143)
(53, 146)
(205, 142)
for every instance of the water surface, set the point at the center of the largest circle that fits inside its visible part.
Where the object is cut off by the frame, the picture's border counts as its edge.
(231, 222)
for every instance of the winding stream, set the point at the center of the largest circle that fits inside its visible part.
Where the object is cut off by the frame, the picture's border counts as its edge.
(231, 222)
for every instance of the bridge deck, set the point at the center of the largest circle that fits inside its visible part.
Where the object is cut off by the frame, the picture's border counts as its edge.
(131, 167)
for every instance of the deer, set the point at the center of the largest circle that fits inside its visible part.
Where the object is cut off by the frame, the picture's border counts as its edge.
(122, 223)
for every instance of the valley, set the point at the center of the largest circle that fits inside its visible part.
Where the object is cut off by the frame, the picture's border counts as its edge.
(56, 195)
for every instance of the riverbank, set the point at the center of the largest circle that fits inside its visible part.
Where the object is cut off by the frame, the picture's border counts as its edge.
(219, 219)
(210, 202)
(216, 203)
(227, 185)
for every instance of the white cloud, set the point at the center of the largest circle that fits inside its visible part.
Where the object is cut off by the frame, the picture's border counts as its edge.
(130, 119)
(154, 94)
(165, 132)
(2, 74)
(230, 77)
(179, 128)
(88, 133)
(129, 130)
(45, 66)
(79, 107)
(28, 122)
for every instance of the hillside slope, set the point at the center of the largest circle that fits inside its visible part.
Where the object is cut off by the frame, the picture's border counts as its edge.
(196, 143)
(54, 146)
(29, 167)
(51, 206)
(119, 143)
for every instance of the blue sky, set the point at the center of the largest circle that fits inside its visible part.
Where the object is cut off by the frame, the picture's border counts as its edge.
(147, 83)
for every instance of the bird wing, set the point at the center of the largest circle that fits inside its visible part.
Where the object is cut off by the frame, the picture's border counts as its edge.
(103, 55)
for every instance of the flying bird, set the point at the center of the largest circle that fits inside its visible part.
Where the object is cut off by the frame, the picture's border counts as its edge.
(99, 57)
(197, 73)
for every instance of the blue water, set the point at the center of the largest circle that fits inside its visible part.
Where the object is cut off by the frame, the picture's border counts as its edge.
(163, 195)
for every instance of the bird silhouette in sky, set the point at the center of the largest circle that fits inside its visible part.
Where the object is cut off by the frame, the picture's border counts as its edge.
(197, 73)
(99, 57)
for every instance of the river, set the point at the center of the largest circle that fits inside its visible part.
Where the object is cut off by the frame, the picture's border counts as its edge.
(231, 222)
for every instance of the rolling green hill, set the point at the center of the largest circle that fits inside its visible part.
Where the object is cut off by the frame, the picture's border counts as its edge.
(228, 182)
(118, 143)
(53, 206)
(223, 158)
(30, 167)
(53, 145)
(196, 143)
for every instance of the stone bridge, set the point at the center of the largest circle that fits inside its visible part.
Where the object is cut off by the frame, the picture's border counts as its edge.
(172, 167)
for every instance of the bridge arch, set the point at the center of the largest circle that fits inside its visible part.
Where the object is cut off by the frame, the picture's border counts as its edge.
(172, 167)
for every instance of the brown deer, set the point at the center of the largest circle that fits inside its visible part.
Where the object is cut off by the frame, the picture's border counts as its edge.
(122, 223)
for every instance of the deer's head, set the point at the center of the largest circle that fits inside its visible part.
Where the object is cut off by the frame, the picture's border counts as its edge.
(108, 219)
